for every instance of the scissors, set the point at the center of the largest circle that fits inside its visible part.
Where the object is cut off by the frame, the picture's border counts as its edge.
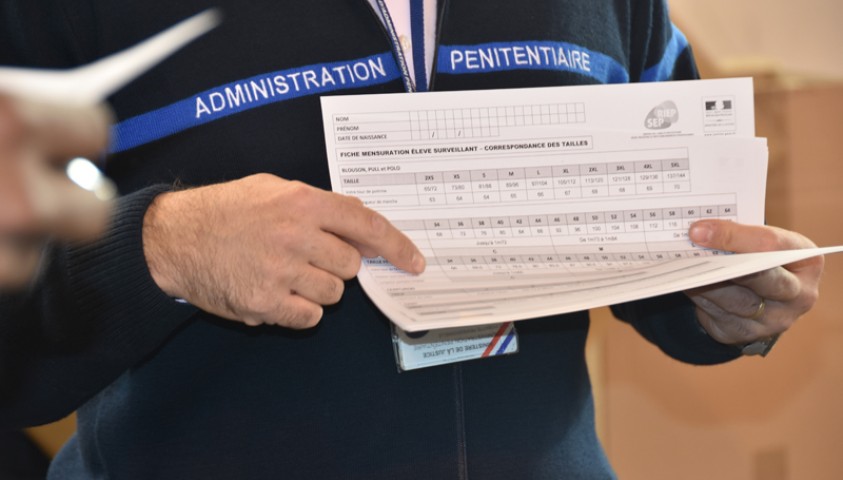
(91, 84)
(85, 86)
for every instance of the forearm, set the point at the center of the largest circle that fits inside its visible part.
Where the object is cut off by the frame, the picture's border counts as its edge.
(95, 313)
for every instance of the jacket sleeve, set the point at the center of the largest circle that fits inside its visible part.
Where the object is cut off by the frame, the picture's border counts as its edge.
(93, 314)
(670, 322)
(660, 52)
(95, 311)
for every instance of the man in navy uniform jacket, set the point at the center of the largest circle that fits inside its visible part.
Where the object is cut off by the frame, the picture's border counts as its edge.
(277, 366)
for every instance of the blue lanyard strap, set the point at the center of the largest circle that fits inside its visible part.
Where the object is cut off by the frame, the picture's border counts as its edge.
(396, 46)
(417, 29)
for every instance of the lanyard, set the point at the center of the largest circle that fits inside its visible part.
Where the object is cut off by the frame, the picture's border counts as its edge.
(417, 33)
(420, 82)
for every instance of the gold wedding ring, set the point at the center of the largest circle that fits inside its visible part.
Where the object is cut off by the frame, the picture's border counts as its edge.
(760, 311)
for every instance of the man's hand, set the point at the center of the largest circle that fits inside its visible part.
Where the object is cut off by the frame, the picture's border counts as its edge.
(37, 200)
(729, 311)
(264, 250)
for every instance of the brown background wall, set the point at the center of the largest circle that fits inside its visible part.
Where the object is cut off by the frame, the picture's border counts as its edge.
(776, 418)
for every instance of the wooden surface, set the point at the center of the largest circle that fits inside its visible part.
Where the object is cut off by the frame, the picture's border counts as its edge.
(51, 437)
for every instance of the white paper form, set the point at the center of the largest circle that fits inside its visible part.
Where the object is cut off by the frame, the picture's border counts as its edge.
(534, 202)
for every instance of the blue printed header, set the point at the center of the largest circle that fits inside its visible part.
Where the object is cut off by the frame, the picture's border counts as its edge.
(249, 93)
(530, 55)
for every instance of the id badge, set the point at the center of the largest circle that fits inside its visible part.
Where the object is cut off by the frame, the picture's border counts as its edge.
(429, 348)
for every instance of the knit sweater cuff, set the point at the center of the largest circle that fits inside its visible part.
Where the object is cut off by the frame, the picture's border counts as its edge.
(111, 284)
(670, 322)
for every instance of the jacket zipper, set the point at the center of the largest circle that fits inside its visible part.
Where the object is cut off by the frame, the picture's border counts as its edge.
(459, 398)
(440, 21)
(389, 33)
(459, 401)
(396, 47)
(459, 404)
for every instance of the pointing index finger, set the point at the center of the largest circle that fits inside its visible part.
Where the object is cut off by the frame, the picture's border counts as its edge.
(372, 234)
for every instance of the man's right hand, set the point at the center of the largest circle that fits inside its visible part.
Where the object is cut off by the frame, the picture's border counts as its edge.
(264, 250)
(37, 199)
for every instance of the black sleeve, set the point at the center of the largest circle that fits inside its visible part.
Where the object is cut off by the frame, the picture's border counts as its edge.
(93, 314)
(95, 311)
(659, 50)
(670, 322)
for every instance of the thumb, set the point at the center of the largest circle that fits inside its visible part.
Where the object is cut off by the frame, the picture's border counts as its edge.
(739, 238)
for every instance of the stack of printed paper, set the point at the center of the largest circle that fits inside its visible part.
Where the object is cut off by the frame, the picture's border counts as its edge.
(534, 202)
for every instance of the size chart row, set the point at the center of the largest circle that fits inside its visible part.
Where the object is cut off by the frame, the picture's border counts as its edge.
(545, 261)
(663, 224)
(489, 186)
(550, 259)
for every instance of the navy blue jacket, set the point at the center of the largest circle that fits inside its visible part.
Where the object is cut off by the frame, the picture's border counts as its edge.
(166, 391)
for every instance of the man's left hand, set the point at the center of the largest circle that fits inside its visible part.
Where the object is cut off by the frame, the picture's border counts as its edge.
(746, 309)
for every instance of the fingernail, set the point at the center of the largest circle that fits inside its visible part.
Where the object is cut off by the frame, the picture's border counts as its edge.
(701, 233)
(418, 263)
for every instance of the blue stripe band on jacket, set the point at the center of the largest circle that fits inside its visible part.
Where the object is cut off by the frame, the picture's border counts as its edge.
(664, 69)
(260, 90)
(530, 55)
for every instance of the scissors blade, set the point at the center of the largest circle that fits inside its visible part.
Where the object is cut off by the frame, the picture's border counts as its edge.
(93, 83)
